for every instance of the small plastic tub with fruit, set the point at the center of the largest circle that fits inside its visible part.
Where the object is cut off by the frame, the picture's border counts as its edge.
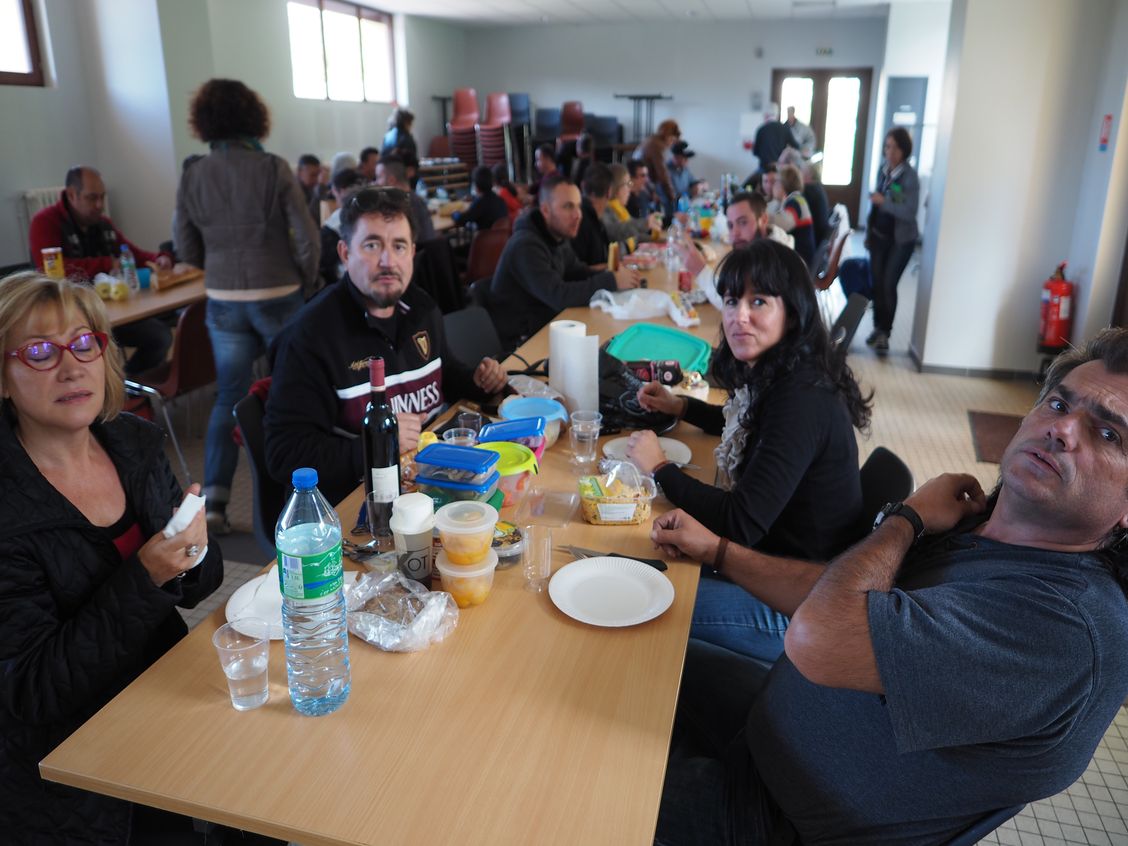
(527, 431)
(466, 530)
(619, 496)
(468, 585)
(517, 465)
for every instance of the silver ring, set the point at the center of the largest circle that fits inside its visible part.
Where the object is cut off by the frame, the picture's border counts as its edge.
(192, 551)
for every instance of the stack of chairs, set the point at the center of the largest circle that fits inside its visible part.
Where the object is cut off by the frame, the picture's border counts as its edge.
(571, 122)
(521, 134)
(462, 128)
(494, 142)
(548, 126)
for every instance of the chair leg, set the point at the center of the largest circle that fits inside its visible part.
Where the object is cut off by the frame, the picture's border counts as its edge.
(162, 409)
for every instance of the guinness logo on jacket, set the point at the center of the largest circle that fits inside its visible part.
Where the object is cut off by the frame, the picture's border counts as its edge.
(418, 391)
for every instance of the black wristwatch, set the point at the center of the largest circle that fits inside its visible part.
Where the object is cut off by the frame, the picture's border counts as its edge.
(899, 509)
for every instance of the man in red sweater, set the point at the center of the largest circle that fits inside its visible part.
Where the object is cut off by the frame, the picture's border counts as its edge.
(91, 245)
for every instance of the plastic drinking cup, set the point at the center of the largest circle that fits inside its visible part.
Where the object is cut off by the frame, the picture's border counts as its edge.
(584, 435)
(244, 655)
(471, 420)
(461, 436)
(536, 558)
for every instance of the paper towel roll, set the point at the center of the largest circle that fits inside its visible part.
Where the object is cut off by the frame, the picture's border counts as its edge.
(573, 364)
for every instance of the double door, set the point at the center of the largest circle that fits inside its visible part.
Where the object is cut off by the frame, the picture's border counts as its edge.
(834, 102)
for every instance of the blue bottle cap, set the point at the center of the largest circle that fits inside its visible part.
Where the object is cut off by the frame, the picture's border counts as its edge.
(304, 479)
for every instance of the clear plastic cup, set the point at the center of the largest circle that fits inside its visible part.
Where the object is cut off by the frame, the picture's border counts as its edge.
(536, 558)
(584, 436)
(461, 437)
(244, 655)
(471, 420)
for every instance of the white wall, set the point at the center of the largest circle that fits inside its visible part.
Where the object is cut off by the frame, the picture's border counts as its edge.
(1021, 119)
(46, 130)
(128, 94)
(1098, 246)
(916, 44)
(435, 57)
(709, 68)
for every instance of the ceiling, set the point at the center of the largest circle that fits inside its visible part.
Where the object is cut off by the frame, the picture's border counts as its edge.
(515, 12)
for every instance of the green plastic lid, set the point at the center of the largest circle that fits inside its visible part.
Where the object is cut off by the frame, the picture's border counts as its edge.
(651, 342)
(512, 458)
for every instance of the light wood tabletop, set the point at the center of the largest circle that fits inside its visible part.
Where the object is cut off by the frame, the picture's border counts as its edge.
(523, 726)
(149, 302)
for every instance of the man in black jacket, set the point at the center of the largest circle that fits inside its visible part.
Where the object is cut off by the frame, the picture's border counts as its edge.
(320, 384)
(538, 275)
(591, 242)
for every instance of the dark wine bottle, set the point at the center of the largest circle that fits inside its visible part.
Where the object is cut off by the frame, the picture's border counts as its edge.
(381, 451)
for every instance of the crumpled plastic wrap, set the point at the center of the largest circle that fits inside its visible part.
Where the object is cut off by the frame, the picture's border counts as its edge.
(398, 614)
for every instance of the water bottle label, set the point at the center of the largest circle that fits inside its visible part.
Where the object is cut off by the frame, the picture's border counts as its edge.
(311, 576)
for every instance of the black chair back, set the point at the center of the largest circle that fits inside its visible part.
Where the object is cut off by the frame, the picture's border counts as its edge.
(842, 332)
(548, 125)
(519, 108)
(269, 495)
(471, 336)
(885, 478)
(437, 273)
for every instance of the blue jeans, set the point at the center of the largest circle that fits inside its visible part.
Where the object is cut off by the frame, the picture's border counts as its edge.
(727, 615)
(240, 332)
(712, 794)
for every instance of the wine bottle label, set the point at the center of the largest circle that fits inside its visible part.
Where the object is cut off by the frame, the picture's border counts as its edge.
(311, 576)
(385, 483)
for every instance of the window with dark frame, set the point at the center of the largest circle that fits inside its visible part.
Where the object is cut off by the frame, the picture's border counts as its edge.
(341, 51)
(20, 60)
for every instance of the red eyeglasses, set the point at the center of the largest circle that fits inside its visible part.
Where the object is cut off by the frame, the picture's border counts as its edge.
(47, 355)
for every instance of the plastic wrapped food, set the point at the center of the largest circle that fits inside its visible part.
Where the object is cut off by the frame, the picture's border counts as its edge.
(619, 496)
(397, 614)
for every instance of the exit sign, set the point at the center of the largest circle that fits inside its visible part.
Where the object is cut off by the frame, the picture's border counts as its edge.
(823, 51)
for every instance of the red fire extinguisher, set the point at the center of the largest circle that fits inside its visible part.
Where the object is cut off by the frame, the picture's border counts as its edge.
(1057, 312)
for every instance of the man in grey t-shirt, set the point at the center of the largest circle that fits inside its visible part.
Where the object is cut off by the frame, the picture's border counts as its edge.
(967, 656)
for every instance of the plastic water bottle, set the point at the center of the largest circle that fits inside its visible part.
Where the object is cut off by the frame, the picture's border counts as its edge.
(673, 255)
(129, 269)
(308, 540)
(683, 204)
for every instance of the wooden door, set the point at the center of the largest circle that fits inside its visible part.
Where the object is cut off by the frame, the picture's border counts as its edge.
(834, 102)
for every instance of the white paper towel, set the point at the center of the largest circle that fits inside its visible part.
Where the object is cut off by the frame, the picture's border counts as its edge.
(189, 508)
(573, 364)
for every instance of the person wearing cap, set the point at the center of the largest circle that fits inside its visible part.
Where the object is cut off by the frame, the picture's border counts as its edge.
(683, 180)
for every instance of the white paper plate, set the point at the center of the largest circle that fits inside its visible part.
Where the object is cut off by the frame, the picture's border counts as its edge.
(262, 598)
(676, 451)
(608, 591)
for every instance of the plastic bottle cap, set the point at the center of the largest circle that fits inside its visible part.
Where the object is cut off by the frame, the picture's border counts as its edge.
(304, 478)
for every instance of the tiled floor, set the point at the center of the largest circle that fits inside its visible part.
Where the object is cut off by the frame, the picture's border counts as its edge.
(922, 418)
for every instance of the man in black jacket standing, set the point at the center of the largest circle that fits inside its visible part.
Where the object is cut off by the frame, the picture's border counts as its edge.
(538, 275)
(320, 384)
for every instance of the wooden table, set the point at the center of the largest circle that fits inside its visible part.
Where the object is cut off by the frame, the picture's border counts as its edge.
(524, 726)
(148, 302)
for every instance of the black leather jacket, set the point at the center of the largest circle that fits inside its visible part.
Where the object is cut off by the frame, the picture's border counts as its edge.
(77, 624)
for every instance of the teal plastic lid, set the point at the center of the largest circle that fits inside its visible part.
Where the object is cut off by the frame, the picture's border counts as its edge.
(651, 342)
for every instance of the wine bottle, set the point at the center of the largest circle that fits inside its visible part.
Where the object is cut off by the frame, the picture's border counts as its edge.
(381, 451)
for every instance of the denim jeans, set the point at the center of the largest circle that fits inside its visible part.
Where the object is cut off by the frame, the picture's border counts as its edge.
(712, 794)
(240, 332)
(727, 615)
(888, 261)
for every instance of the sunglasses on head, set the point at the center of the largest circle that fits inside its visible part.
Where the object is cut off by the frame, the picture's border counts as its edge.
(47, 355)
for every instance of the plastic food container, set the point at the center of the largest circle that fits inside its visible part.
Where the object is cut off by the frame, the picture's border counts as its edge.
(554, 414)
(466, 530)
(508, 543)
(448, 463)
(527, 431)
(444, 493)
(468, 585)
(516, 465)
(619, 496)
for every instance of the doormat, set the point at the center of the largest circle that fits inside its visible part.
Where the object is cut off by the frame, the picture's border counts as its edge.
(991, 433)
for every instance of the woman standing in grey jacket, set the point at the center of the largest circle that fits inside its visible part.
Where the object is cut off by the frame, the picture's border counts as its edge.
(240, 215)
(891, 231)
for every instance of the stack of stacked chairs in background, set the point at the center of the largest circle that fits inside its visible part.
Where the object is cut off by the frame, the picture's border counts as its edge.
(494, 143)
(548, 126)
(463, 127)
(521, 134)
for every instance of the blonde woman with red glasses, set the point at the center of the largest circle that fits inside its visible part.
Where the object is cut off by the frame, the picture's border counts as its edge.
(89, 585)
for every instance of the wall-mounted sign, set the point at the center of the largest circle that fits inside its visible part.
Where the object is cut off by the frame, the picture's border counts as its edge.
(1106, 130)
(824, 51)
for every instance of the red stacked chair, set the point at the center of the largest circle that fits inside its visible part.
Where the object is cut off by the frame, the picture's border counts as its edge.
(463, 127)
(571, 121)
(493, 135)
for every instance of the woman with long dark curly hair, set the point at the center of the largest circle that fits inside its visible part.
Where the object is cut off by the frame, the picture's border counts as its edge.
(787, 464)
(240, 215)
